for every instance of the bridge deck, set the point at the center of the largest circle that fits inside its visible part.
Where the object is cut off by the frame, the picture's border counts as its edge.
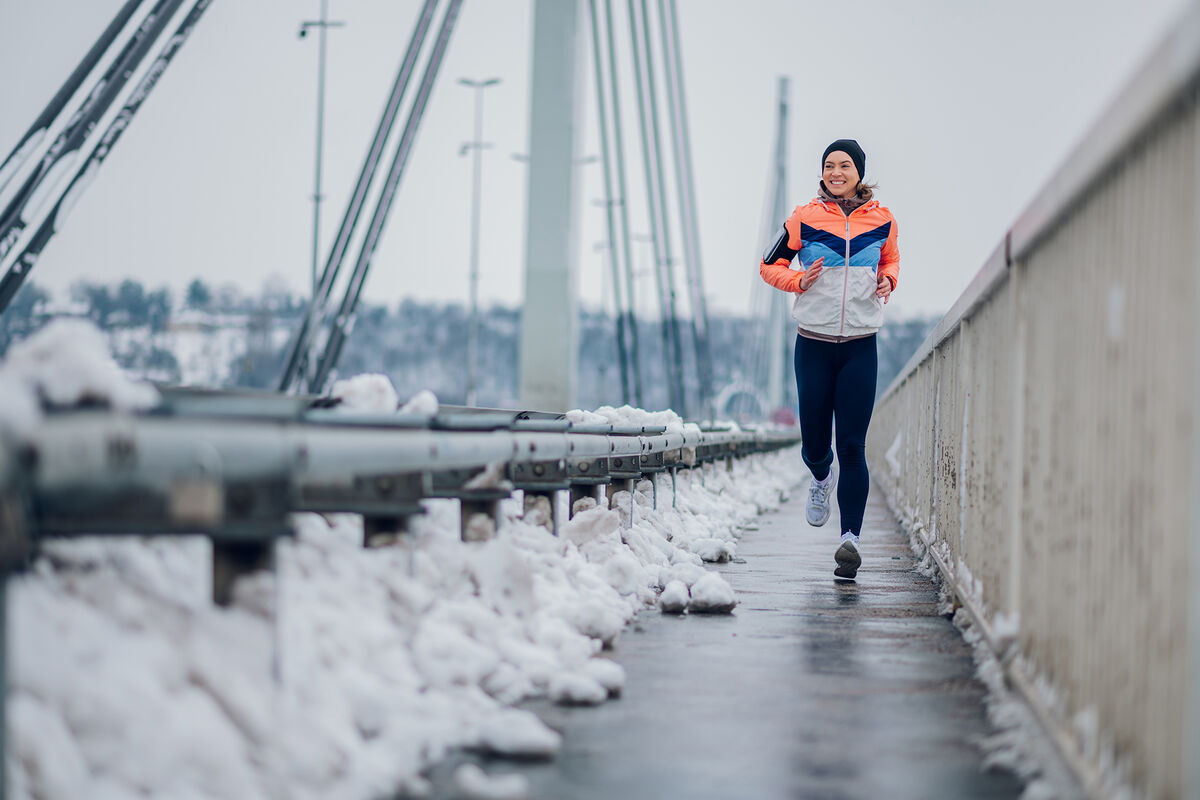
(812, 689)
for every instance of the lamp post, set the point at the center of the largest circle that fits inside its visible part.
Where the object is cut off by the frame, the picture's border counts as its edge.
(323, 25)
(477, 144)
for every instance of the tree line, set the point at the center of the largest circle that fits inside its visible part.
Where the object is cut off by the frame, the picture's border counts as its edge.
(419, 345)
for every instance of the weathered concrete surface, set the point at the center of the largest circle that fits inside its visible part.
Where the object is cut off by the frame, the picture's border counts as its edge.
(811, 689)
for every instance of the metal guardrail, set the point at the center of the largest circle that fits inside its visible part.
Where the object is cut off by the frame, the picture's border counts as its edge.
(234, 465)
(1046, 437)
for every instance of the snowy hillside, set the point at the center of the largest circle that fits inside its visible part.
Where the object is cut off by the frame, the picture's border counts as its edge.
(221, 338)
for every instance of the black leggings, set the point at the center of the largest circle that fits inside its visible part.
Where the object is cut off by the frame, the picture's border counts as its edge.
(837, 380)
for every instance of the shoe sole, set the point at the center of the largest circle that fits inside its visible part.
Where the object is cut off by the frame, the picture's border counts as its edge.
(848, 561)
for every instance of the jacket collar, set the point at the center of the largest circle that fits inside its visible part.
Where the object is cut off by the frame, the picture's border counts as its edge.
(845, 205)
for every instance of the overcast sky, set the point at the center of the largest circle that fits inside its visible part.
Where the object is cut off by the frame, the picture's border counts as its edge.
(964, 108)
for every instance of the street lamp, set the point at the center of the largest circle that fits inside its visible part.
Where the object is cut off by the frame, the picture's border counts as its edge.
(477, 145)
(323, 24)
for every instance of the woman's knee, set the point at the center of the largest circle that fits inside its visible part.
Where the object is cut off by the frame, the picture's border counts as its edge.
(816, 461)
(851, 451)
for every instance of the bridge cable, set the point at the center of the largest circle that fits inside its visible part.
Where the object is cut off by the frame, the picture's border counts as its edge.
(677, 363)
(81, 124)
(647, 116)
(21, 211)
(623, 204)
(779, 331)
(763, 297)
(686, 190)
(772, 336)
(622, 347)
(296, 362)
(343, 321)
(37, 132)
(20, 264)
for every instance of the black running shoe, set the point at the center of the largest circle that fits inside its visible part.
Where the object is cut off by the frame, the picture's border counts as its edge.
(847, 557)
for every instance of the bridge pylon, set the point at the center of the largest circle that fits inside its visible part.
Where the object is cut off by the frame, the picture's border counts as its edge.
(549, 314)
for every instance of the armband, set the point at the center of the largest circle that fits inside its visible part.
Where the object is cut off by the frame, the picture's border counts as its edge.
(779, 249)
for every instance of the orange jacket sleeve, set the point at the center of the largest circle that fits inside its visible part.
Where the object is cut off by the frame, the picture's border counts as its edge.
(889, 258)
(779, 273)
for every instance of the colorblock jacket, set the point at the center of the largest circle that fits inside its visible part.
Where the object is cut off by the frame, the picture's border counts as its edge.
(842, 302)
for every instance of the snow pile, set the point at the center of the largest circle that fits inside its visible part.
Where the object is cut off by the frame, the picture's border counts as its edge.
(712, 595)
(124, 682)
(424, 403)
(581, 417)
(64, 364)
(368, 393)
(675, 597)
(373, 393)
(20, 412)
(628, 415)
(351, 670)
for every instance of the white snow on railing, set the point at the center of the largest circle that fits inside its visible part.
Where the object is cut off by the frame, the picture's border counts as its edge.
(65, 363)
(369, 391)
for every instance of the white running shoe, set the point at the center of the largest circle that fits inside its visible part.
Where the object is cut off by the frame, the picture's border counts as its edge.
(847, 557)
(818, 500)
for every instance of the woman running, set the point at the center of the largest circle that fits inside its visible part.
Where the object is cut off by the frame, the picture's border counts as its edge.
(849, 262)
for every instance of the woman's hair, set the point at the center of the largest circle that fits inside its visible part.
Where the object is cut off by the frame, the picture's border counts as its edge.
(865, 191)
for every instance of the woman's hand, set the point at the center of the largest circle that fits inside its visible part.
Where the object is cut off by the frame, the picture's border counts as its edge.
(885, 288)
(811, 273)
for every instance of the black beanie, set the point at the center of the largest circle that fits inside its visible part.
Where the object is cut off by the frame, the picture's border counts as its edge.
(850, 148)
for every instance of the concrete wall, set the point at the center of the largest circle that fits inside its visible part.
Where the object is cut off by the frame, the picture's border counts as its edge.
(1045, 434)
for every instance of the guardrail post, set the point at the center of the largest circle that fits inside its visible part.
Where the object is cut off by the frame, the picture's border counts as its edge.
(472, 529)
(621, 485)
(653, 464)
(531, 503)
(382, 530)
(540, 482)
(618, 485)
(232, 560)
(578, 492)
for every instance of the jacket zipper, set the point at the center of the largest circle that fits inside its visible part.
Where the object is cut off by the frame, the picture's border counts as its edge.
(846, 269)
(846, 274)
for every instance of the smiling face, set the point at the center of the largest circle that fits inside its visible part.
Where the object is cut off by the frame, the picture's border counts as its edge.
(839, 174)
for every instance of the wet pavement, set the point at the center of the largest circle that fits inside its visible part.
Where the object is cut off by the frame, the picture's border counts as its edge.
(811, 689)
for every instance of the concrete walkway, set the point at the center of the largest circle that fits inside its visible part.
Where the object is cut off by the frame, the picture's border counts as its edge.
(811, 689)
